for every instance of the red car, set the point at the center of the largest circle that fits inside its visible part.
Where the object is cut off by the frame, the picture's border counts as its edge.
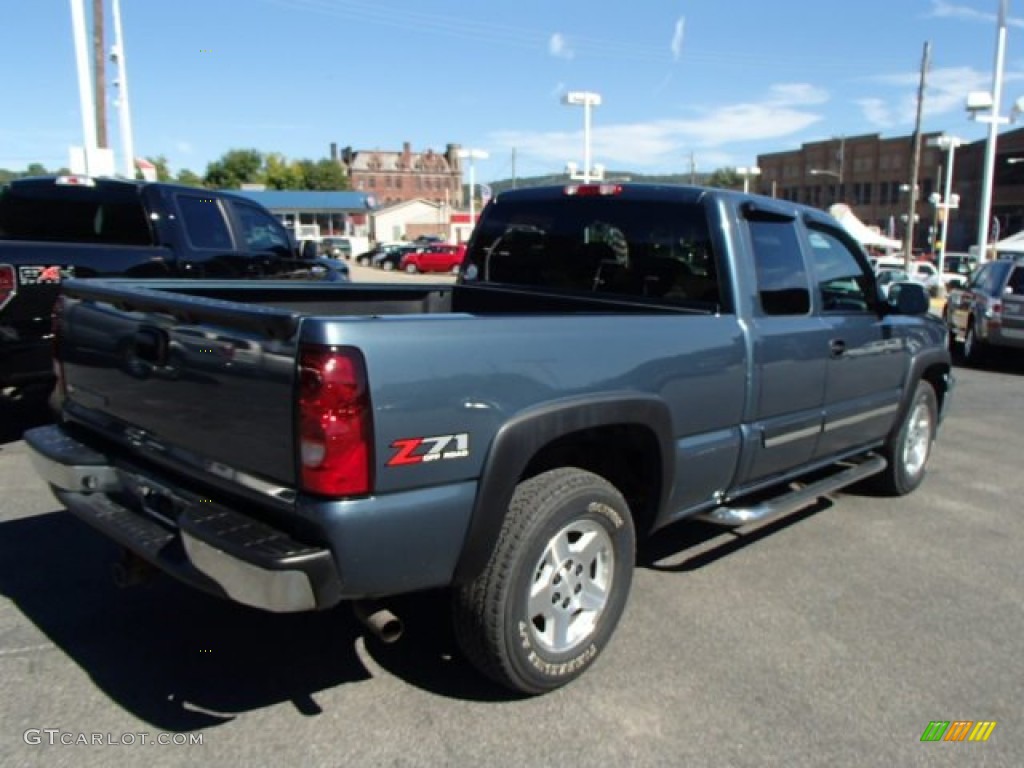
(435, 258)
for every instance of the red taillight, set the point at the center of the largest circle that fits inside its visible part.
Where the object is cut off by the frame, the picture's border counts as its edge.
(995, 313)
(8, 284)
(593, 190)
(334, 422)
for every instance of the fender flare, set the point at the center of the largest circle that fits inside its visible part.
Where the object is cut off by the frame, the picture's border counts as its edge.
(918, 365)
(526, 433)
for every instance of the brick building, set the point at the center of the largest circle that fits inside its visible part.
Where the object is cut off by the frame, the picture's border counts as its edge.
(872, 176)
(395, 177)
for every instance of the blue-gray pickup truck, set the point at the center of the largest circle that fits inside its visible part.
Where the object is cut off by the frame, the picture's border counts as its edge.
(613, 359)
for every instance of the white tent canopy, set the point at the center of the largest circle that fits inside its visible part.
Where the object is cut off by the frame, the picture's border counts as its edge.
(860, 231)
(1011, 244)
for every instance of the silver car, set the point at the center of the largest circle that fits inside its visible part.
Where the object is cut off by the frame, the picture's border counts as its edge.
(989, 311)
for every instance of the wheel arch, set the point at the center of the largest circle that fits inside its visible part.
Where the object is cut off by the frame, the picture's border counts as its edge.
(935, 367)
(624, 437)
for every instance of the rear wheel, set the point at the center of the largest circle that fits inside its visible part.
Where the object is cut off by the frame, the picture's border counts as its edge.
(410, 268)
(456, 269)
(555, 587)
(974, 349)
(387, 266)
(908, 450)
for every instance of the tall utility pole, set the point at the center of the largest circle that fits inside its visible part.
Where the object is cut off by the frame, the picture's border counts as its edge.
(123, 108)
(513, 167)
(693, 170)
(99, 54)
(995, 119)
(915, 167)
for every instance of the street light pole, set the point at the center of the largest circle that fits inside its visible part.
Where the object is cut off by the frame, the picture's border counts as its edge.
(949, 143)
(472, 155)
(587, 100)
(746, 173)
(994, 120)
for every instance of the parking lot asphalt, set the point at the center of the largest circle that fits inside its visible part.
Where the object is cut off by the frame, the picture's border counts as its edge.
(832, 638)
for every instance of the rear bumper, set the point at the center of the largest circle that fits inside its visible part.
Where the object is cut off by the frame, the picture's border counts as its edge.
(1001, 336)
(369, 547)
(196, 540)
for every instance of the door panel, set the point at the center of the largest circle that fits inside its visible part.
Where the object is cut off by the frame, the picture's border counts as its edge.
(867, 358)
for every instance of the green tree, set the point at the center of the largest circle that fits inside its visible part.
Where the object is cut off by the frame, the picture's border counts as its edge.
(188, 178)
(725, 178)
(323, 174)
(235, 168)
(282, 174)
(163, 173)
(36, 169)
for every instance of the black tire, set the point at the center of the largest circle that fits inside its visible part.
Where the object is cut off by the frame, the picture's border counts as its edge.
(492, 614)
(907, 451)
(974, 348)
(411, 269)
(387, 266)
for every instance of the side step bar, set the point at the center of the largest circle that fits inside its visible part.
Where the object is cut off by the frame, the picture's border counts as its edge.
(794, 499)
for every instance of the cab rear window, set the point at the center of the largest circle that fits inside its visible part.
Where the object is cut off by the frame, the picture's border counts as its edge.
(48, 212)
(611, 246)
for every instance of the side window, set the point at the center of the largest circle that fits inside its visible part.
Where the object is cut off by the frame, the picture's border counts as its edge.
(994, 278)
(261, 231)
(842, 282)
(782, 284)
(980, 278)
(1016, 282)
(204, 222)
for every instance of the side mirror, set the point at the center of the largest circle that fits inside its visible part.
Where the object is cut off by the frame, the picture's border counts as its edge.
(909, 299)
(309, 250)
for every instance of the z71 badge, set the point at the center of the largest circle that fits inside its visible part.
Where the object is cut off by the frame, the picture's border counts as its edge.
(44, 275)
(417, 450)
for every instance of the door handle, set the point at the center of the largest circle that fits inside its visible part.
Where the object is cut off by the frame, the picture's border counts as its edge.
(837, 347)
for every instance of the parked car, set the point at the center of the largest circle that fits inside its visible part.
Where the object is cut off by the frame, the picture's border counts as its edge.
(435, 258)
(368, 258)
(923, 272)
(988, 312)
(889, 276)
(53, 228)
(391, 258)
(336, 247)
(956, 269)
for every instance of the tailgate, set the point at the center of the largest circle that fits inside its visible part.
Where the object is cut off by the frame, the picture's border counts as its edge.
(197, 383)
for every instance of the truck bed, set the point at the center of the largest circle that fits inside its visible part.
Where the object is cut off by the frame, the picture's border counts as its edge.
(221, 399)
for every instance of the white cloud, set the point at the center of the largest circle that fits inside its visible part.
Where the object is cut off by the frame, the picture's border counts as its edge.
(876, 112)
(558, 46)
(677, 38)
(943, 9)
(945, 93)
(661, 144)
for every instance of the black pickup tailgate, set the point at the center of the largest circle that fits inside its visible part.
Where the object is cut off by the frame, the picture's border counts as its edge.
(194, 382)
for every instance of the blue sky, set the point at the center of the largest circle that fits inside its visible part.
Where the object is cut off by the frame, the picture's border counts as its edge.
(722, 80)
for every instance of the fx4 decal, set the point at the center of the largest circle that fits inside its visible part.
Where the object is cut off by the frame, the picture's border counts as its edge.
(416, 450)
(44, 275)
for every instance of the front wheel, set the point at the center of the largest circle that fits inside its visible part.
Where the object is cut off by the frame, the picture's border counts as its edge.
(410, 268)
(908, 450)
(555, 586)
